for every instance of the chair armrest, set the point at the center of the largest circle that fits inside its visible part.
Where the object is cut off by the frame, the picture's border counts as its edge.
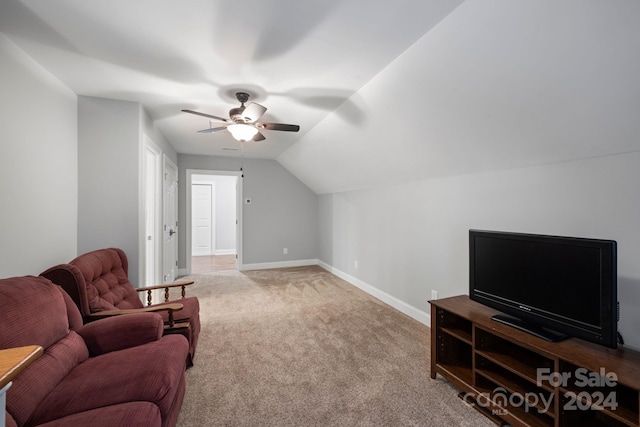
(176, 306)
(166, 288)
(120, 332)
(168, 285)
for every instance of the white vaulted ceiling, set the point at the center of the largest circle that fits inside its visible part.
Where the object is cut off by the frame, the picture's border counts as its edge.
(498, 84)
(384, 92)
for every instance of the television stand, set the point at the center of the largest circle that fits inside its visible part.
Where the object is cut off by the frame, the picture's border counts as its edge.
(519, 379)
(540, 332)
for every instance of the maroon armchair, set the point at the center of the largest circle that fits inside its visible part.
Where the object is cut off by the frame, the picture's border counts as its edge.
(112, 372)
(99, 285)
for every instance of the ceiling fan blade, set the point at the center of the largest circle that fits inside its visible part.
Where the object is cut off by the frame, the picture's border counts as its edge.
(258, 137)
(205, 115)
(253, 112)
(280, 126)
(211, 130)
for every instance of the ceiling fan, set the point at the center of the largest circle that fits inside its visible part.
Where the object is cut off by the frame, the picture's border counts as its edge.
(243, 121)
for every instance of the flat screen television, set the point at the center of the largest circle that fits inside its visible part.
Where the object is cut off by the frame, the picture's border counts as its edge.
(550, 286)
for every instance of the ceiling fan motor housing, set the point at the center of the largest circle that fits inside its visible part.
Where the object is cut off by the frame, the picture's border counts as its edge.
(242, 97)
(236, 113)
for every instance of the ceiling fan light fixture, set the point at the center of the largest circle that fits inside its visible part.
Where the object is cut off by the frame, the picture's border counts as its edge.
(242, 132)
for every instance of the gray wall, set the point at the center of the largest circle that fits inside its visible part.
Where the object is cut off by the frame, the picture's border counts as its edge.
(38, 166)
(108, 176)
(109, 167)
(411, 238)
(283, 212)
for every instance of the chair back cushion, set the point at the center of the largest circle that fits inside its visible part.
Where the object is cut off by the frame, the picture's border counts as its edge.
(35, 312)
(70, 278)
(106, 281)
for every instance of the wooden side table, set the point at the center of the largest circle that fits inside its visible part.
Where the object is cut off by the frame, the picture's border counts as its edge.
(12, 362)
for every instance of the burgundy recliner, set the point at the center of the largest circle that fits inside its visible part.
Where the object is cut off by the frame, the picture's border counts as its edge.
(118, 371)
(99, 285)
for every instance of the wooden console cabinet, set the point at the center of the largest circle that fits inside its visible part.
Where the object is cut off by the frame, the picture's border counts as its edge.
(518, 379)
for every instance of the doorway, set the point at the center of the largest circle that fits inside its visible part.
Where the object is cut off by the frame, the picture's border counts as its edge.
(214, 226)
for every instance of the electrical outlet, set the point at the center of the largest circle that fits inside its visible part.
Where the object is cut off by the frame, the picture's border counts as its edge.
(355, 264)
(285, 251)
(434, 294)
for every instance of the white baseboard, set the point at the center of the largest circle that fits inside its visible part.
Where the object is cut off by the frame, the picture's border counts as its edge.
(225, 252)
(278, 264)
(394, 302)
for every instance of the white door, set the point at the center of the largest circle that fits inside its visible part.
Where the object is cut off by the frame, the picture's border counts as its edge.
(170, 221)
(201, 219)
(151, 167)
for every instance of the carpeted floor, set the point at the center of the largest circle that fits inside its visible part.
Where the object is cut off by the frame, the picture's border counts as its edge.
(301, 347)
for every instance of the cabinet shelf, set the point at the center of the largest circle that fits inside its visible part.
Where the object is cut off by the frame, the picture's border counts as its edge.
(460, 334)
(457, 374)
(537, 398)
(515, 359)
(503, 366)
(514, 415)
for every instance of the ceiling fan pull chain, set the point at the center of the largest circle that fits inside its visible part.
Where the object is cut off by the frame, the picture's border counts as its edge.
(241, 159)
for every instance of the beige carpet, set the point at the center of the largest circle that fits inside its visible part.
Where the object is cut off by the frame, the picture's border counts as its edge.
(301, 347)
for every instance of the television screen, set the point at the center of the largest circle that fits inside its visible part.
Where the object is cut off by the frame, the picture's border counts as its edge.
(564, 284)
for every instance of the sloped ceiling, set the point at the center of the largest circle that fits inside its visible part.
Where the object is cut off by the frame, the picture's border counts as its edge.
(497, 84)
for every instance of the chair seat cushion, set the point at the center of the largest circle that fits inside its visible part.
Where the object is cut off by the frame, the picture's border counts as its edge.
(125, 414)
(105, 380)
(189, 313)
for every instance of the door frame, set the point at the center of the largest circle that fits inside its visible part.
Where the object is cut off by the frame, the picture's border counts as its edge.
(152, 195)
(239, 183)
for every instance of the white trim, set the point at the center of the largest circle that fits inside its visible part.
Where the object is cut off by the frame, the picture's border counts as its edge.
(239, 184)
(279, 264)
(394, 302)
(225, 252)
